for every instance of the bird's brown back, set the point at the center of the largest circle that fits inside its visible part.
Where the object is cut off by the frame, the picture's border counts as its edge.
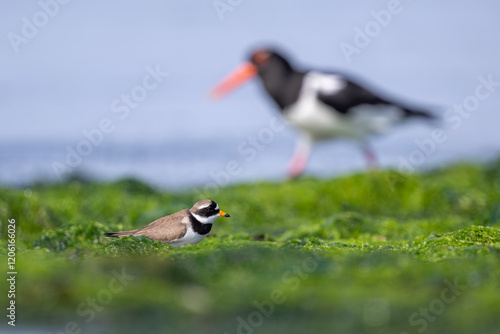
(167, 228)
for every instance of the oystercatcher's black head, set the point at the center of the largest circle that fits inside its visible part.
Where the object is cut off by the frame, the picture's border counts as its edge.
(267, 60)
(268, 64)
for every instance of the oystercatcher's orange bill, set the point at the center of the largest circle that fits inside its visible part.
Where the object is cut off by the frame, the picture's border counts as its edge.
(243, 73)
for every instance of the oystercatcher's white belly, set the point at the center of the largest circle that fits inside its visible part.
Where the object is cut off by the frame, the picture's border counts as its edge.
(315, 119)
(320, 121)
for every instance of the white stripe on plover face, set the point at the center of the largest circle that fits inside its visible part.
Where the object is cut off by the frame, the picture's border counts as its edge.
(216, 206)
(206, 220)
(204, 206)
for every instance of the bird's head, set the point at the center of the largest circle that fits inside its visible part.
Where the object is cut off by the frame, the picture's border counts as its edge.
(207, 211)
(266, 63)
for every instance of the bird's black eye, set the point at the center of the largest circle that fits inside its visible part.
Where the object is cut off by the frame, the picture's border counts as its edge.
(210, 210)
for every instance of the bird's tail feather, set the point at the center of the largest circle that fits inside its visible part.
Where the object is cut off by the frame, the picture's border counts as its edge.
(419, 113)
(119, 234)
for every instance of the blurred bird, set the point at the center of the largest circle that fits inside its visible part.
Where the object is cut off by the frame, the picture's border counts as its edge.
(181, 228)
(321, 105)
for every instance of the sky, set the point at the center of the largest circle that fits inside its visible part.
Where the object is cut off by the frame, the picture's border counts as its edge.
(67, 67)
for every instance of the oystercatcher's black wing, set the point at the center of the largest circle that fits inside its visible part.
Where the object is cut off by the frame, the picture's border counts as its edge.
(352, 95)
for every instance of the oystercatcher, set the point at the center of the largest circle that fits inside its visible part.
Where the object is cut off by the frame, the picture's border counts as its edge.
(321, 105)
(181, 228)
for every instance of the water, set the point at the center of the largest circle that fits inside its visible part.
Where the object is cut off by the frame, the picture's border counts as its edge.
(187, 164)
(72, 75)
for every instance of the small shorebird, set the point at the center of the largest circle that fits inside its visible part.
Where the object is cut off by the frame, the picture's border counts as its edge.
(321, 105)
(181, 228)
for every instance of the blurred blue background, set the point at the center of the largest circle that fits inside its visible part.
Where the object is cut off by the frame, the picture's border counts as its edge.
(64, 78)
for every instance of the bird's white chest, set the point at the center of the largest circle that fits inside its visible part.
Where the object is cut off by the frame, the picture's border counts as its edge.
(191, 237)
(319, 121)
(315, 118)
(312, 116)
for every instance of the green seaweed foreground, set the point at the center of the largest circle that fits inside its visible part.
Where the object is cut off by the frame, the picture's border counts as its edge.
(378, 252)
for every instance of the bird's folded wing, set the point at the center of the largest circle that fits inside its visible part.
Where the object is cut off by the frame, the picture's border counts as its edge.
(349, 96)
(167, 228)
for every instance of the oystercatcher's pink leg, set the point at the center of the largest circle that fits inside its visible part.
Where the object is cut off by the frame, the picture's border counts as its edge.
(300, 158)
(371, 158)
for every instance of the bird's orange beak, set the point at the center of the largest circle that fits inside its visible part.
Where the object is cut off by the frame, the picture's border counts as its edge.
(240, 75)
(223, 214)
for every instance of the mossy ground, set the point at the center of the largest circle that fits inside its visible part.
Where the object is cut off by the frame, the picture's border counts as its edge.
(376, 252)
